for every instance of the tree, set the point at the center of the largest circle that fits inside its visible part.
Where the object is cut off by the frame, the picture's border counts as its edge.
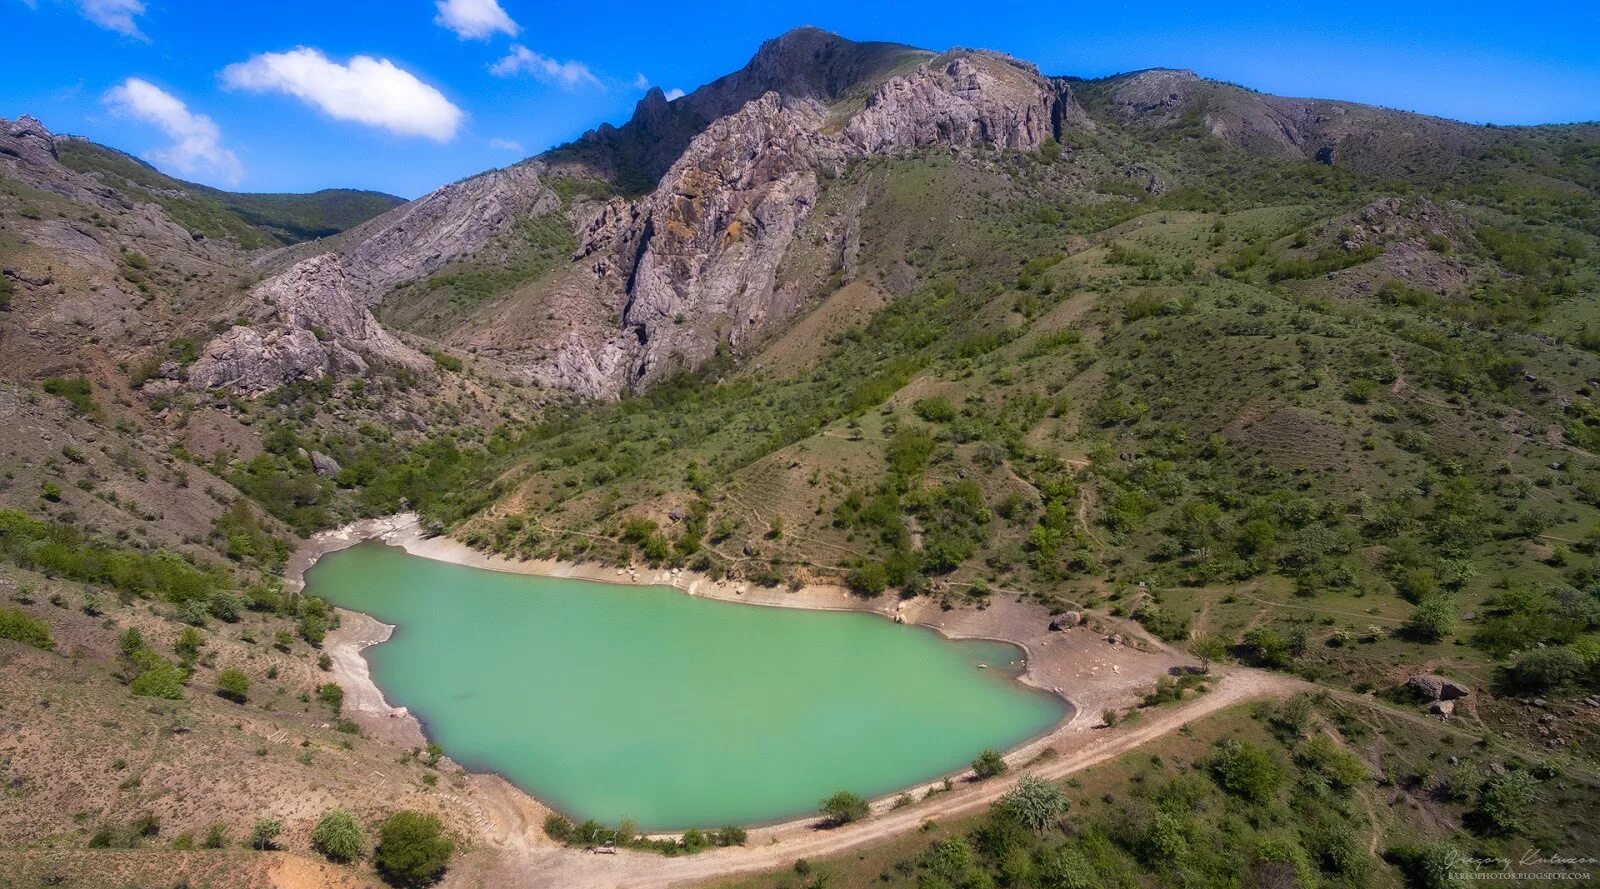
(1036, 802)
(844, 807)
(1246, 771)
(338, 836)
(412, 849)
(989, 764)
(234, 685)
(1207, 649)
(264, 833)
(1433, 619)
(1268, 647)
(1543, 670)
(869, 578)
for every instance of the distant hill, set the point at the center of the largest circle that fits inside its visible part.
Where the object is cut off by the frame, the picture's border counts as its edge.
(253, 220)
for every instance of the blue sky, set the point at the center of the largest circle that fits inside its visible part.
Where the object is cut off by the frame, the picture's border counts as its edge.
(405, 95)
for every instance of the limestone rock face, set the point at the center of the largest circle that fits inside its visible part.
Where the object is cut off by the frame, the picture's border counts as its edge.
(312, 323)
(250, 360)
(963, 100)
(28, 140)
(714, 232)
(694, 265)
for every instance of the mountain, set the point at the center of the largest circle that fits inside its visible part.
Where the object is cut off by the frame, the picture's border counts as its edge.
(608, 264)
(1302, 383)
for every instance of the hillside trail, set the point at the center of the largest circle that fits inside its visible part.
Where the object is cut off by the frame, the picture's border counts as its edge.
(526, 861)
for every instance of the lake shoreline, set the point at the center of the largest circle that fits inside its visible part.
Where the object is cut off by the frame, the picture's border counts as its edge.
(1101, 672)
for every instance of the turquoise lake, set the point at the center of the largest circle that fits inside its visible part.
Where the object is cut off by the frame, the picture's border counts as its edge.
(610, 701)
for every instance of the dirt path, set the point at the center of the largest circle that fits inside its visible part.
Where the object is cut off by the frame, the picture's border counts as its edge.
(526, 862)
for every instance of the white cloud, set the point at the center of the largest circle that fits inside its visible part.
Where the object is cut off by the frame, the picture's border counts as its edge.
(475, 19)
(525, 61)
(370, 91)
(196, 141)
(641, 82)
(114, 15)
(506, 145)
(674, 93)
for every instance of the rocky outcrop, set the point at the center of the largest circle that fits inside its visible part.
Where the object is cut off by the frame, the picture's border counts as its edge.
(714, 232)
(963, 100)
(1438, 688)
(802, 64)
(312, 324)
(694, 265)
(457, 220)
(27, 140)
(329, 292)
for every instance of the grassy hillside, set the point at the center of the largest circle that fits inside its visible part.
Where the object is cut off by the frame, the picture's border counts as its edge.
(1328, 421)
(302, 217)
(1312, 792)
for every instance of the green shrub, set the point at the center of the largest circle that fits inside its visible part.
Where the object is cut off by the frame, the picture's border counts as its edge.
(16, 625)
(264, 835)
(338, 837)
(157, 677)
(1246, 771)
(1433, 619)
(989, 764)
(234, 685)
(331, 694)
(934, 410)
(1505, 801)
(844, 807)
(77, 392)
(558, 827)
(1035, 802)
(412, 849)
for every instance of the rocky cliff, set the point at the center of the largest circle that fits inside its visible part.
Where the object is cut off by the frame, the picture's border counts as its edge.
(312, 323)
(693, 265)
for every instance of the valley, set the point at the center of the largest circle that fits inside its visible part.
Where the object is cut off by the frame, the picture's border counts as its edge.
(1266, 426)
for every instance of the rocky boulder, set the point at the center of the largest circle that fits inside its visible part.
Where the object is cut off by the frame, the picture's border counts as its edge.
(1437, 688)
(1065, 621)
(324, 465)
